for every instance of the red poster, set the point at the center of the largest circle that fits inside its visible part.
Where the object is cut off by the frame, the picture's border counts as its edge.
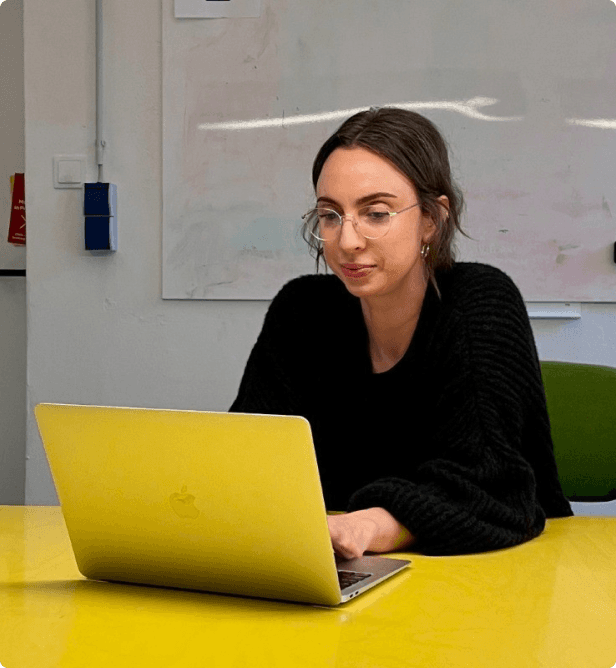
(17, 226)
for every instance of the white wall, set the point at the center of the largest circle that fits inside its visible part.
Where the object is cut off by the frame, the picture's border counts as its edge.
(98, 330)
(12, 289)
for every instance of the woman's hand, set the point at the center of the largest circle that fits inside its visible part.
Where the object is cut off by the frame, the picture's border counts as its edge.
(372, 529)
(351, 535)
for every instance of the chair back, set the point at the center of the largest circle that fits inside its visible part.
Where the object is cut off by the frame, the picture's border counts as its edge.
(581, 401)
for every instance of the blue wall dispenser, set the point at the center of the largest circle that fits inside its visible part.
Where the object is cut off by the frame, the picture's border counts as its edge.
(101, 221)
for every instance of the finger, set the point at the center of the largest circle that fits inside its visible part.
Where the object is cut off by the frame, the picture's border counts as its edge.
(343, 554)
(340, 547)
(348, 548)
(346, 541)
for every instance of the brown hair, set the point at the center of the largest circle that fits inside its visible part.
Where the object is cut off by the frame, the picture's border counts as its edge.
(415, 146)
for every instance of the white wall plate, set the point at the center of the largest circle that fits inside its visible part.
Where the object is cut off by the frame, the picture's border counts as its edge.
(69, 171)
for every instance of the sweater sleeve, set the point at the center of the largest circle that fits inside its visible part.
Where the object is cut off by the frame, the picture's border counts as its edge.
(478, 489)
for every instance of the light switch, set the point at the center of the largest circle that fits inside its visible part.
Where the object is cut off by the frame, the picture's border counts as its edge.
(69, 171)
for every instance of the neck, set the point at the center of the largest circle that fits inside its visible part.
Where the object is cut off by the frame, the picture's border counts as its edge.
(391, 321)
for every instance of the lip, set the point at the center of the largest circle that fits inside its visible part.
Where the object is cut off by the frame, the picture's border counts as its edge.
(362, 270)
(357, 266)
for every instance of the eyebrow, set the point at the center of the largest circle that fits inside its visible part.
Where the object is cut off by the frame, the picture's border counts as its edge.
(361, 200)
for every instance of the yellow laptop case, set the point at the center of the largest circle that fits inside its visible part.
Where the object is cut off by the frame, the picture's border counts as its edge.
(146, 497)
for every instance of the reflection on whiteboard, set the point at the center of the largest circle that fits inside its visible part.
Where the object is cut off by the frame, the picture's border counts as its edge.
(470, 108)
(524, 92)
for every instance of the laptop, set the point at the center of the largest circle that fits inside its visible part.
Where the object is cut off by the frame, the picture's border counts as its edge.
(219, 502)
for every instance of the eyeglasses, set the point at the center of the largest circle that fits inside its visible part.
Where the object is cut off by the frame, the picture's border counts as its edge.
(372, 221)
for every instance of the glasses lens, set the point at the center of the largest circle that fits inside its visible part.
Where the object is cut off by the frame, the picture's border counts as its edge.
(324, 224)
(374, 220)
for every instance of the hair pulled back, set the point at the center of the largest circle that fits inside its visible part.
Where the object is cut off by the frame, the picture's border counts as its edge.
(415, 146)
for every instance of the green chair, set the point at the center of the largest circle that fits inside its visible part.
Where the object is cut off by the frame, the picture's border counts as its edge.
(581, 400)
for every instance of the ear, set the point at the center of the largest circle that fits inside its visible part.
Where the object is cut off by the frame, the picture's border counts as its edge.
(429, 230)
(444, 202)
(430, 226)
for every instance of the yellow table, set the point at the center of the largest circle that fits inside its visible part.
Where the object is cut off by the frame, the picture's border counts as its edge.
(550, 602)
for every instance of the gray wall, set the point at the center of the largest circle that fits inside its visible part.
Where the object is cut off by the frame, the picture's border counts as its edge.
(98, 329)
(12, 390)
(13, 289)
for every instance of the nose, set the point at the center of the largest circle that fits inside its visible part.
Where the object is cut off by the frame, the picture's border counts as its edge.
(349, 235)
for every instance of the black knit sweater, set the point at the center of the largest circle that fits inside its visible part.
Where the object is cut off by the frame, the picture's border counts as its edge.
(454, 441)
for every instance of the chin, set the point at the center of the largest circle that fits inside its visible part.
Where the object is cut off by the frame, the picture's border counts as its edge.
(364, 288)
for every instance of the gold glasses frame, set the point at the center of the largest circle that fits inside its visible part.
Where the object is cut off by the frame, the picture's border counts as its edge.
(353, 219)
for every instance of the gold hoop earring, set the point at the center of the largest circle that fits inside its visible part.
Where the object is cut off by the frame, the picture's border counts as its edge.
(425, 249)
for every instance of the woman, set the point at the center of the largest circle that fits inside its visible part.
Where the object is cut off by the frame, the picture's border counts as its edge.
(419, 375)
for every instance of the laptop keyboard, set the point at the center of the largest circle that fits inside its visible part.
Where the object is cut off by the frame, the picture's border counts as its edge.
(348, 578)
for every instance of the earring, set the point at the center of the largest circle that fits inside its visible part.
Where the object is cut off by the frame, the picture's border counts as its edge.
(425, 249)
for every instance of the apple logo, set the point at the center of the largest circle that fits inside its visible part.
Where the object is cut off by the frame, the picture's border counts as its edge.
(183, 504)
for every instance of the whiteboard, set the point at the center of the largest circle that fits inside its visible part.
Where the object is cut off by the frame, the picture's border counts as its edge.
(523, 91)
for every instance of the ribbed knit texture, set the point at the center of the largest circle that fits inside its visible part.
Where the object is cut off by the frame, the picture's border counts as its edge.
(454, 441)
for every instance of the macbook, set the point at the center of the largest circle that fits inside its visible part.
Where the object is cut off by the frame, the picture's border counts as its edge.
(218, 502)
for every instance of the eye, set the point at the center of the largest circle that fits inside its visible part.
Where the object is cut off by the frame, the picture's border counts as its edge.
(375, 213)
(328, 216)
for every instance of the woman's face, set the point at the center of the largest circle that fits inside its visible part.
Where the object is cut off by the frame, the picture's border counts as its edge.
(350, 174)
